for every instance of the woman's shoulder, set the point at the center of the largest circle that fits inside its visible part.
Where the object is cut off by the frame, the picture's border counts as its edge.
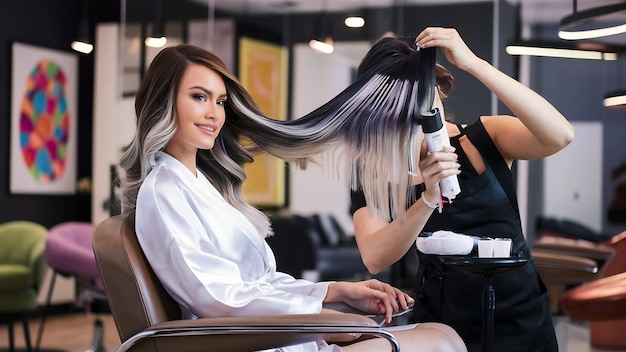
(162, 181)
(456, 129)
(487, 125)
(162, 175)
(493, 123)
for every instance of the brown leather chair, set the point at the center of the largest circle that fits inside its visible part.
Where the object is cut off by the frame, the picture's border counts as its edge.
(565, 262)
(602, 253)
(148, 319)
(559, 270)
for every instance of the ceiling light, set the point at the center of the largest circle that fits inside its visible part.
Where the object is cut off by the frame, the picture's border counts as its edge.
(545, 49)
(82, 47)
(615, 100)
(592, 33)
(156, 42)
(324, 47)
(595, 22)
(83, 44)
(323, 39)
(354, 21)
(157, 39)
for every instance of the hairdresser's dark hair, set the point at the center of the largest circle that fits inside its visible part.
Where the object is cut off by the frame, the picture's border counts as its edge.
(444, 79)
(375, 120)
(401, 47)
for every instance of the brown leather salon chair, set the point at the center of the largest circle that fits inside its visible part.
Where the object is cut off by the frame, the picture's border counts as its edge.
(148, 319)
(561, 270)
(565, 262)
(603, 302)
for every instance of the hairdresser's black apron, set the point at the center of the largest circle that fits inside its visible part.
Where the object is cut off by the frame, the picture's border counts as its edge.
(486, 206)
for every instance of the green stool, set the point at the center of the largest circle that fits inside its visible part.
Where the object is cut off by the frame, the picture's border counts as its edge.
(22, 269)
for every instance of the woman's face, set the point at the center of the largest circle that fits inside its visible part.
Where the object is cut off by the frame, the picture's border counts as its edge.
(200, 111)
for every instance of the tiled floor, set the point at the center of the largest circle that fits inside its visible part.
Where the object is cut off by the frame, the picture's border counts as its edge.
(574, 336)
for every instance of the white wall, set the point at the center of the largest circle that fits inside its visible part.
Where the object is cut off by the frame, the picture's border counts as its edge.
(573, 178)
(114, 118)
(316, 79)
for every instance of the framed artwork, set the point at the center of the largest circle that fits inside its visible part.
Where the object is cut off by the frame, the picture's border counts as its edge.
(43, 120)
(263, 72)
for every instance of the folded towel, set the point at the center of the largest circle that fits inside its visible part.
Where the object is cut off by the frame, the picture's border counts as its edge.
(445, 243)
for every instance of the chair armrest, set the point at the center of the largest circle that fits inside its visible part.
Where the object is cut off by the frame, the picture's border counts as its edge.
(617, 240)
(37, 262)
(250, 333)
(564, 269)
(618, 263)
(580, 248)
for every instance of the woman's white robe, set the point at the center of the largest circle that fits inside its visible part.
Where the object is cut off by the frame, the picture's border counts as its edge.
(209, 257)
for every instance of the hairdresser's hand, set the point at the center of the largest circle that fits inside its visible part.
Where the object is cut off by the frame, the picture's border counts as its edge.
(452, 45)
(434, 167)
(371, 296)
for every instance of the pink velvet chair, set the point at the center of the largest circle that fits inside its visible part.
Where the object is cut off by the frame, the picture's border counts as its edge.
(69, 252)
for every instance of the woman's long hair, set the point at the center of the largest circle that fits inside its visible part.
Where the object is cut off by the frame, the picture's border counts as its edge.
(376, 121)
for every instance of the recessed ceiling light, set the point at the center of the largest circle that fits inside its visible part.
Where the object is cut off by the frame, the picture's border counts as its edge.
(354, 21)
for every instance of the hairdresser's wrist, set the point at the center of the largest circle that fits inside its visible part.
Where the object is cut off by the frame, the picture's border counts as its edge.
(433, 202)
(478, 66)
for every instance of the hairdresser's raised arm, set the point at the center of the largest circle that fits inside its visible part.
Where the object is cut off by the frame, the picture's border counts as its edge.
(540, 129)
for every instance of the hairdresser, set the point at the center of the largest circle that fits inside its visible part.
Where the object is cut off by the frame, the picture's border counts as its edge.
(481, 157)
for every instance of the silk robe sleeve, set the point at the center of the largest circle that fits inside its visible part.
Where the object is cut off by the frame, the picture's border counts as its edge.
(205, 263)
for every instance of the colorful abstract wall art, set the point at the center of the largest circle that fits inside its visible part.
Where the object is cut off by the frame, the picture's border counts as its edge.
(43, 120)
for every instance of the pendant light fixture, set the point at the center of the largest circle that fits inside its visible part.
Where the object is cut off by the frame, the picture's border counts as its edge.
(560, 50)
(355, 19)
(594, 22)
(83, 44)
(157, 39)
(323, 41)
(615, 100)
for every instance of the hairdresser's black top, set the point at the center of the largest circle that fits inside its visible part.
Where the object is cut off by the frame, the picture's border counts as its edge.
(486, 206)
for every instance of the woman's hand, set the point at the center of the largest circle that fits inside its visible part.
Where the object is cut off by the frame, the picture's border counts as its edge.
(539, 129)
(371, 296)
(436, 166)
(452, 45)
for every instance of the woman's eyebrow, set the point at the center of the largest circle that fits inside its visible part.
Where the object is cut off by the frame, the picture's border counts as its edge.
(209, 92)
